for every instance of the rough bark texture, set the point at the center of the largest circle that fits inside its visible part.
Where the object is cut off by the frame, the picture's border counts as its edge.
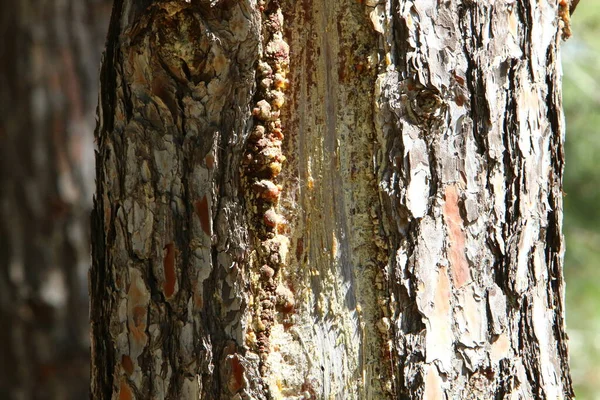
(49, 59)
(169, 230)
(311, 199)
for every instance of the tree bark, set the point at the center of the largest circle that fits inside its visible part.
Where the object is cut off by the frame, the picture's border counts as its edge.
(309, 200)
(50, 54)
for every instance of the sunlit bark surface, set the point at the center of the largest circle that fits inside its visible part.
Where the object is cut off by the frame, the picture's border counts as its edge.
(314, 200)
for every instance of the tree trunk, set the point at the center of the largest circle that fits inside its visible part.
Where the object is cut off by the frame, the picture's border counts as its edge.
(310, 200)
(50, 54)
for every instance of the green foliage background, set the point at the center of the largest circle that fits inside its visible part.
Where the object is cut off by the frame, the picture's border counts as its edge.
(581, 97)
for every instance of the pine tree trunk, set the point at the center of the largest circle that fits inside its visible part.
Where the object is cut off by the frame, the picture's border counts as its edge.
(50, 53)
(314, 200)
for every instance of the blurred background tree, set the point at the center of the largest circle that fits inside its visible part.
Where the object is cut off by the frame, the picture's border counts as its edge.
(49, 58)
(581, 96)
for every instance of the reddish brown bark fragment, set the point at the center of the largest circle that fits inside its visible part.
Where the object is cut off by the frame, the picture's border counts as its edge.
(125, 392)
(202, 212)
(127, 364)
(170, 275)
(456, 238)
(139, 324)
(236, 380)
(210, 161)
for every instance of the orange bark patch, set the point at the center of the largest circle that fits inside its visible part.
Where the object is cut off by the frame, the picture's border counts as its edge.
(198, 300)
(170, 275)
(125, 392)
(162, 89)
(202, 212)
(233, 368)
(127, 364)
(456, 237)
(209, 160)
(236, 380)
(139, 314)
(138, 327)
(460, 100)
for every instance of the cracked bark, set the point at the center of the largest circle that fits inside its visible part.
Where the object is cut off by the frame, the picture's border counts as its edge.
(330, 200)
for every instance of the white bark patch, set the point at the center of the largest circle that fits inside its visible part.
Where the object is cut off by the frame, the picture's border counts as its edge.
(497, 308)
(543, 321)
(523, 389)
(525, 244)
(471, 322)
(540, 274)
(433, 294)
(500, 349)
(434, 389)
(377, 17)
(286, 359)
(439, 337)
(544, 33)
(417, 196)
(472, 318)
